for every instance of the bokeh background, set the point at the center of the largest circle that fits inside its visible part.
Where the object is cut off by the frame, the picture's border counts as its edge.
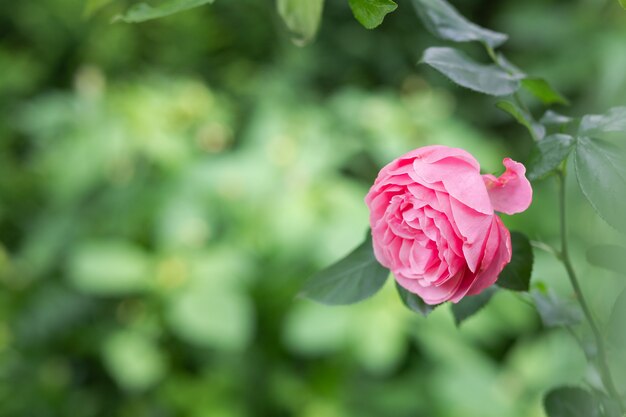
(166, 188)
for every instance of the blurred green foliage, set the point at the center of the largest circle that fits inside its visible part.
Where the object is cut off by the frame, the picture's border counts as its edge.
(166, 188)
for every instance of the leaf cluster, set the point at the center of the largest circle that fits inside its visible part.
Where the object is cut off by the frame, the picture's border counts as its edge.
(301, 17)
(600, 171)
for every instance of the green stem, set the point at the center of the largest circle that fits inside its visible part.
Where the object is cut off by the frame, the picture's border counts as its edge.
(516, 96)
(605, 373)
(546, 248)
(492, 53)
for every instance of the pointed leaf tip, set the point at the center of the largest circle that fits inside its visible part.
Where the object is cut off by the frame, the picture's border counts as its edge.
(351, 279)
(458, 67)
(413, 302)
(370, 13)
(468, 306)
(302, 18)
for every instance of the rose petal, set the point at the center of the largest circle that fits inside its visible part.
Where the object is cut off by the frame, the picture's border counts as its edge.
(511, 192)
(474, 227)
(500, 240)
(435, 153)
(432, 294)
(433, 222)
(461, 180)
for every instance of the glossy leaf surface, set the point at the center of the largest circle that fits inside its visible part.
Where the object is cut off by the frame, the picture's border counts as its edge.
(601, 172)
(548, 155)
(458, 67)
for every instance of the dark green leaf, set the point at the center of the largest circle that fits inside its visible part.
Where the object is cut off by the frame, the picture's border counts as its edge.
(571, 402)
(142, 11)
(617, 329)
(523, 117)
(613, 121)
(541, 89)
(555, 311)
(601, 172)
(414, 302)
(352, 279)
(553, 118)
(468, 306)
(548, 155)
(442, 20)
(361, 166)
(611, 257)
(302, 18)
(516, 275)
(488, 79)
(370, 13)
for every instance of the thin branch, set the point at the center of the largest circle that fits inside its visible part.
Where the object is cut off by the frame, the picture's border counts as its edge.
(605, 372)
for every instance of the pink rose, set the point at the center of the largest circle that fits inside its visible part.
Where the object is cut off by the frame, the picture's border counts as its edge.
(433, 221)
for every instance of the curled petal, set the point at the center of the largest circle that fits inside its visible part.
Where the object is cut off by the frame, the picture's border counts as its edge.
(498, 253)
(433, 221)
(511, 192)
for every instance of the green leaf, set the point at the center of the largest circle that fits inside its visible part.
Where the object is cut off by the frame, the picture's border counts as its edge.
(133, 360)
(548, 155)
(370, 13)
(594, 124)
(616, 331)
(302, 18)
(109, 268)
(414, 302)
(601, 172)
(541, 89)
(611, 257)
(468, 306)
(516, 275)
(523, 117)
(142, 11)
(445, 22)
(352, 279)
(556, 311)
(553, 118)
(458, 67)
(571, 402)
(622, 3)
